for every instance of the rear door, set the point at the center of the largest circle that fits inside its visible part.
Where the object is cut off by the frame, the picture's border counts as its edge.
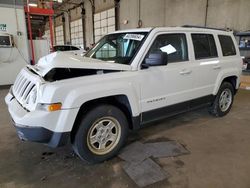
(206, 63)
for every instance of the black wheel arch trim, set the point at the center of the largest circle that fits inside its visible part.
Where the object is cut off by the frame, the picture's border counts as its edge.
(232, 80)
(120, 101)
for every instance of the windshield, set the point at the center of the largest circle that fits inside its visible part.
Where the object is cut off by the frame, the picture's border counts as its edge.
(118, 48)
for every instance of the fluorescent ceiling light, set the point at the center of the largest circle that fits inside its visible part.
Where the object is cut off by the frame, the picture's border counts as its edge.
(33, 4)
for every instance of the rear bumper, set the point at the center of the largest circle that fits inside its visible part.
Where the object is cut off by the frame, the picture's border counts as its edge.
(42, 135)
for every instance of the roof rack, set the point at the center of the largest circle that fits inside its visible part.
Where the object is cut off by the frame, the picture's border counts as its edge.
(201, 27)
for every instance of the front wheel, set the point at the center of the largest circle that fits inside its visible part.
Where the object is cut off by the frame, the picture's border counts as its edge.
(101, 134)
(223, 100)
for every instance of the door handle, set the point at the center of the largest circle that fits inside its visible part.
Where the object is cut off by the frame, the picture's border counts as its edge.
(216, 67)
(185, 72)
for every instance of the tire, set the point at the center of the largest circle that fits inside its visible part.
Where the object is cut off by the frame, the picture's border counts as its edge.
(218, 108)
(101, 134)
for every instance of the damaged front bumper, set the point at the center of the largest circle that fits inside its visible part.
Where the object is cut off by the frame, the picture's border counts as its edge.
(42, 135)
(40, 126)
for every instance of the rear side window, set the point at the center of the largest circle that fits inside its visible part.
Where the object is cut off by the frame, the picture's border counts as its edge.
(227, 45)
(204, 46)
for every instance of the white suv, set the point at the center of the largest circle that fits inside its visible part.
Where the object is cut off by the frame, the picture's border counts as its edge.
(129, 78)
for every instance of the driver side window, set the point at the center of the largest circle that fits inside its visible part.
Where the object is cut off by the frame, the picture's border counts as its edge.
(173, 45)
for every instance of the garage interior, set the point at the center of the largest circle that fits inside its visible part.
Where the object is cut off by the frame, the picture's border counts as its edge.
(217, 154)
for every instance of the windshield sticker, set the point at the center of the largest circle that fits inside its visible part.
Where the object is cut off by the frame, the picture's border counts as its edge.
(131, 36)
(169, 49)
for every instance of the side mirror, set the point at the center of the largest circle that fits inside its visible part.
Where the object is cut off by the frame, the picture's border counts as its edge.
(157, 59)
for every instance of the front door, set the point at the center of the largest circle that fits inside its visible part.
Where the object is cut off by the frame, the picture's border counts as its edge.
(167, 89)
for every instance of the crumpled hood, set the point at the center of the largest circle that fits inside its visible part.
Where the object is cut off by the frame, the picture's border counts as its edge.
(69, 60)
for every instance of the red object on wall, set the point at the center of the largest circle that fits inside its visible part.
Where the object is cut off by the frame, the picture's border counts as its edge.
(39, 11)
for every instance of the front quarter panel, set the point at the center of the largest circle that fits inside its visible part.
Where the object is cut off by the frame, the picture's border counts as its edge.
(79, 96)
(73, 93)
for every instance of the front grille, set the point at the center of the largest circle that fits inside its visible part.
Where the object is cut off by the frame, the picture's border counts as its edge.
(25, 82)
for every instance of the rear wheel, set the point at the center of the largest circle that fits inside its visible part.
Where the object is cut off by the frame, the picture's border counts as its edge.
(101, 134)
(223, 100)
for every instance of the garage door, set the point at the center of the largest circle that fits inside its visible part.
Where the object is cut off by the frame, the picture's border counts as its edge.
(76, 33)
(59, 35)
(104, 22)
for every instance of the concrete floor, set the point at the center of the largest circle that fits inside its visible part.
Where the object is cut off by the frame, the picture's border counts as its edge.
(219, 154)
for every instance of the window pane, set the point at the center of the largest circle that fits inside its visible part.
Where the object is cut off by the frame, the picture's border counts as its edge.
(227, 45)
(104, 23)
(175, 45)
(76, 32)
(59, 35)
(204, 46)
